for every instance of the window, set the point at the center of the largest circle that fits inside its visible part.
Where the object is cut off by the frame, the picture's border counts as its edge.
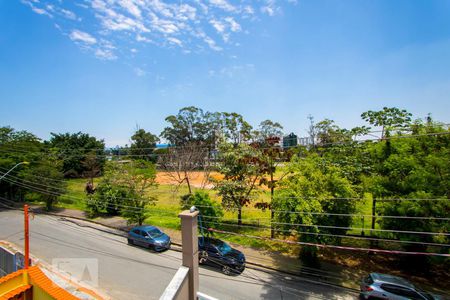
(144, 234)
(223, 247)
(155, 232)
(368, 280)
(401, 291)
(137, 231)
(212, 249)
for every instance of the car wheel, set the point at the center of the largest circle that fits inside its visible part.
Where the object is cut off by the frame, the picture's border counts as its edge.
(226, 270)
(202, 257)
(130, 242)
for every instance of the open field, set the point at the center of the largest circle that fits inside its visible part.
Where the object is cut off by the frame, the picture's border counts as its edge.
(165, 211)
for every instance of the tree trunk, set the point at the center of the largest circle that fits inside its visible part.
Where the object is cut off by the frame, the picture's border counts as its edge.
(188, 182)
(240, 216)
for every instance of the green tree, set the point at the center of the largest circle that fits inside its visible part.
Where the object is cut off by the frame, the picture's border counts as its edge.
(210, 210)
(143, 144)
(188, 126)
(234, 128)
(413, 168)
(73, 150)
(388, 118)
(267, 130)
(41, 179)
(240, 166)
(45, 180)
(311, 188)
(125, 187)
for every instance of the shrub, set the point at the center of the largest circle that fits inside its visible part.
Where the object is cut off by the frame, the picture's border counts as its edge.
(210, 210)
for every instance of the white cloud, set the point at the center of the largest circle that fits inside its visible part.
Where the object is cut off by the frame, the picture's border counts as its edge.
(157, 23)
(270, 8)
(249, 10)
(141, 38)
(175, 41)
(69, 14)
(105, 54)
(223, 4)
(139, 72)
(212, 44)
(131, 7)
(41, 11)
(77, 35)
(219, 26)
(234, 26)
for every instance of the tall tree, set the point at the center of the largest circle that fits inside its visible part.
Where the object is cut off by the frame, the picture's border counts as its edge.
(143, 144)
(310, 188)
(187, 126)
(41, 176)
(241, 170)
(267, 130)
(74, 149)
(388, 118)
(268, 138)
(235, 129)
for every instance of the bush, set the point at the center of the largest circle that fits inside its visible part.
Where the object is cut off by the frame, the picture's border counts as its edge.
(210, 210)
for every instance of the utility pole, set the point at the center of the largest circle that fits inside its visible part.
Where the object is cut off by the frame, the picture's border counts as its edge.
(27, 243)
(374, 209)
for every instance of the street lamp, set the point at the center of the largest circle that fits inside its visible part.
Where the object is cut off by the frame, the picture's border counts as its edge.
(21, 163)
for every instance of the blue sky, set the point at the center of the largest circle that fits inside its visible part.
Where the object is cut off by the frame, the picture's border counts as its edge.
(105, 66)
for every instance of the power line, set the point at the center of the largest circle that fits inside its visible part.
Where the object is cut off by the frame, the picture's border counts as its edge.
(275, 211)
(345, 215)
(339, 227)
(332, 246)
(43, 186)
(303, 198)
(35, 176)
(337, 235)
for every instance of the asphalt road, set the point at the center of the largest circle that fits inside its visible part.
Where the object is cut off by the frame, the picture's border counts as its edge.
(126, 272)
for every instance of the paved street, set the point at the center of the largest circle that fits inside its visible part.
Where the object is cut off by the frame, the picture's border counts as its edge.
(127, 272)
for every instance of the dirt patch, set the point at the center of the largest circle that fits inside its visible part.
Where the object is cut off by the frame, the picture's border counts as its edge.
(197, 179)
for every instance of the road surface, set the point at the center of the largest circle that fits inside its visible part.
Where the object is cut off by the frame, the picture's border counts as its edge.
(126, 272)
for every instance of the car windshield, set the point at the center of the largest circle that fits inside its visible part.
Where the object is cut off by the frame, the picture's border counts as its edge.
(223, 247)
(154, 232)
(425, 294)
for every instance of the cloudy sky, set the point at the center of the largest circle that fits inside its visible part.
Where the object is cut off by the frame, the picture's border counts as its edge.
(105, 66)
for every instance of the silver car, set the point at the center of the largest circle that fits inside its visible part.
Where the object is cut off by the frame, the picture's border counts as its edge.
(389, 287)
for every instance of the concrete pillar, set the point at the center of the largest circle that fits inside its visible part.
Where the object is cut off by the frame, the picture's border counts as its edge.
(189, 240)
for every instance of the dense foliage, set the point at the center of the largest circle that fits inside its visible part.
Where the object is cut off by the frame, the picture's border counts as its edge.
(124, 190)
(81, 154)
(210, 211)
(26, 166)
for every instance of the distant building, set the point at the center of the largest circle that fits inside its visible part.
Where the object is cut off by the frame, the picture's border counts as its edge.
(290, 141)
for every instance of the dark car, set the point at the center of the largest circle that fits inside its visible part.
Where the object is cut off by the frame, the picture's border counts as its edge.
(389, 287)
(150, 237)
(217, 253)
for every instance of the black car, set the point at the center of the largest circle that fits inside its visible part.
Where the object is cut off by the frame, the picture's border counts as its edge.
(215, 252)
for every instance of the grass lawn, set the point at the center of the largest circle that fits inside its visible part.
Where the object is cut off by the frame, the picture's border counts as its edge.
(166, 209)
